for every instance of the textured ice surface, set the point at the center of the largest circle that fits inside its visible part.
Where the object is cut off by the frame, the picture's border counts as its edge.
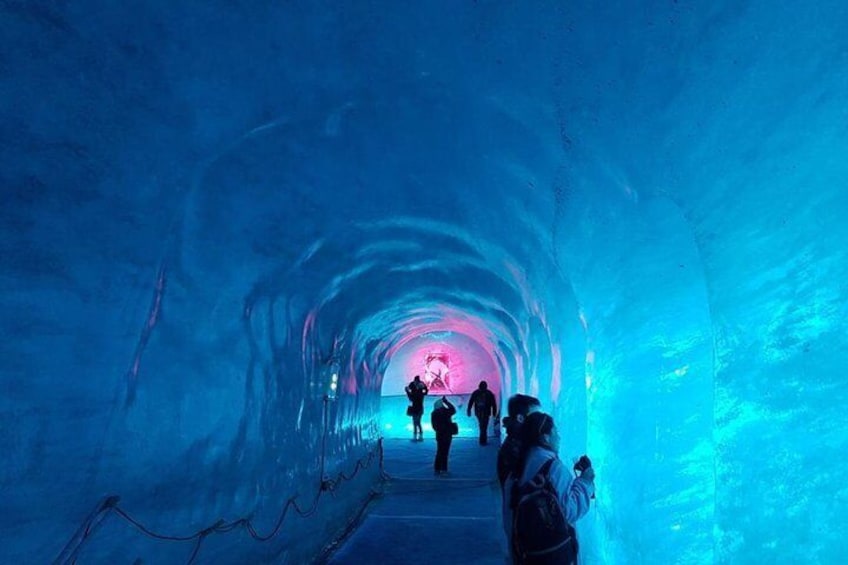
(210, 208)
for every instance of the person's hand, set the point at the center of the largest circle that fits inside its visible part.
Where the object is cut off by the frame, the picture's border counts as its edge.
(583, 463)
(584, 467)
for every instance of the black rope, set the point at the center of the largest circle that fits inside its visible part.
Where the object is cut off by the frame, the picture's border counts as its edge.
(196, 550)
(110, 505)
(362, 463)
(143, 529)
(330, 548)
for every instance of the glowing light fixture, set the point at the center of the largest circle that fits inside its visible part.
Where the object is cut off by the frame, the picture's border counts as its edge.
(334, 386)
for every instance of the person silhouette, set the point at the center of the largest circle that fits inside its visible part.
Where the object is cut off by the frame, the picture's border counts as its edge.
(445, 429)
(485, 404)
(416, 391)
(519, 407)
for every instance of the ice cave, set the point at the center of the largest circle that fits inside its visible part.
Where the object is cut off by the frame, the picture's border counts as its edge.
(231, 232)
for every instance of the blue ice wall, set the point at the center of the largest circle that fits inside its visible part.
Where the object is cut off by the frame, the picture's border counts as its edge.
(209, 208)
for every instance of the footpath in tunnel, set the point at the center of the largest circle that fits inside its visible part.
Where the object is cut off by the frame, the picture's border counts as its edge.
(422, 518)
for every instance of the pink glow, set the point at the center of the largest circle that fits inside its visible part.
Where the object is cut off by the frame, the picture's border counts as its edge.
(443, 319)
(450, 321)
(590, 367)
(439, 343)
(556, 362)
(437, 369)
(455, 360)
(349, 384)
(305, 346)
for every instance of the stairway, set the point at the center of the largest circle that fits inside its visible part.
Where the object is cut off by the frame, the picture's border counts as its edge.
(421, 518)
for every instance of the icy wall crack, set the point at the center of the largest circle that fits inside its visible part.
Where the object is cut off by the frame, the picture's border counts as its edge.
(152, 319)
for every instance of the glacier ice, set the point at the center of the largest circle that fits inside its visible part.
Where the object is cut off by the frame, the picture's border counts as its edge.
(210, 209)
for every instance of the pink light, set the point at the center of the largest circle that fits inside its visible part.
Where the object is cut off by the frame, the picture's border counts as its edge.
(556, 362)
(590, 367)
(349, 384)
(437, 370)
(448, 362)
(308, 324)
(447, 320)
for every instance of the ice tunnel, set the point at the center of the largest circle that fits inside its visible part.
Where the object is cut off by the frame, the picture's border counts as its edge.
(232, 230)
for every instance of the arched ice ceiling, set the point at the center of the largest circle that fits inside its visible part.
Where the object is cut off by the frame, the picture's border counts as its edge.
(210, 207)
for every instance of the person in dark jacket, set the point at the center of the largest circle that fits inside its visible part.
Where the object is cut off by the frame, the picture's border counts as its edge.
(485, 405)
(416, 391)
(518, 408)
(445, 429)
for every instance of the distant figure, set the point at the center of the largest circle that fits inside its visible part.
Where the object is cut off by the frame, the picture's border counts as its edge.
(484, 403)
(445, 429)
(518, 408)
(543, 499)
(416, 391)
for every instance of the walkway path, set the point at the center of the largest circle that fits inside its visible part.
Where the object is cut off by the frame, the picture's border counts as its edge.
(432, 520)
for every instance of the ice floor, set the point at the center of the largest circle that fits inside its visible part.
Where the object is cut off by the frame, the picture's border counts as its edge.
(424, 519)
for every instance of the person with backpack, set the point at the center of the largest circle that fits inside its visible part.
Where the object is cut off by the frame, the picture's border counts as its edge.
(445, 429)
(416, 391)
(519, 407)
(485, 404)
(543, 499)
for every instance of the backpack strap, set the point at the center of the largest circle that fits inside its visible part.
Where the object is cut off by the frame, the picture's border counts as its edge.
(541, 476)
(545, 469)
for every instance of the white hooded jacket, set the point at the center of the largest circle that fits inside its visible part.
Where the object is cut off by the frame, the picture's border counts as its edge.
(575, 493)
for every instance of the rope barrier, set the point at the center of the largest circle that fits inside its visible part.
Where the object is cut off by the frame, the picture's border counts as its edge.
(109, 505)
(330, 548)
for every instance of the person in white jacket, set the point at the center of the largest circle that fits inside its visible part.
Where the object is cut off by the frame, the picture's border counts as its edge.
(540, 443)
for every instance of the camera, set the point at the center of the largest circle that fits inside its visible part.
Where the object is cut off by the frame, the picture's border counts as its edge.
(582, 464)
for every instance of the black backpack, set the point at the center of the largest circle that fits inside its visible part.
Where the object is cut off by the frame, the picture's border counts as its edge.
(484, 403)
(540, 532)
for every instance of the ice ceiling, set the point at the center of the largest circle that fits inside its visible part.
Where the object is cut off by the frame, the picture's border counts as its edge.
(211, 208)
